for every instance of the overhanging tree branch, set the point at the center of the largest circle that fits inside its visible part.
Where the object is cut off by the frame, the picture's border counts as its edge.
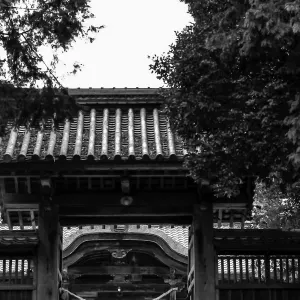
(41, 59)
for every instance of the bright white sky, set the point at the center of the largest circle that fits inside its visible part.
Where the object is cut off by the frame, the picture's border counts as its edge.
(133, 30)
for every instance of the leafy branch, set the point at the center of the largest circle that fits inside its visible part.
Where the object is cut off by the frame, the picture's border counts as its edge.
(56, 24)
(233, 78)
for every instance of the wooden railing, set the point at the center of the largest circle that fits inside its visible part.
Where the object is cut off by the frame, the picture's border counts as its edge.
(16, 271)
(258, 277)
(16, 278)
(259, 269)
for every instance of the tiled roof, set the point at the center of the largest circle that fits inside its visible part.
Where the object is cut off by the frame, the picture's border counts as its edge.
(114, 124)
(178, 233)
(176, 237)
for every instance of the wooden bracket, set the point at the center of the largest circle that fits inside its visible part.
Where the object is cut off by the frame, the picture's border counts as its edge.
(125, 185)
(46, 186)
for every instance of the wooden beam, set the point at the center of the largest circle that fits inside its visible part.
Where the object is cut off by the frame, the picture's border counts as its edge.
(8, 221)
(16, 287)
(90, 296)
(220, 217)
(20, 220)
(230, 205)
(126, 219)
(125, 287)
(256, 286)
(105, 197)
(171, 174)
(28, 183)
(231, 219)
(107, 165)
(20, 201)
(141, 198)
(144, 202)
(16, 185)
(124, 211)
(18, 233)
(113, 296)
(229, 247)
(2, 188)
(21, 206)
(246, 233)
(253, 240)
(119, 270)
(32, 219)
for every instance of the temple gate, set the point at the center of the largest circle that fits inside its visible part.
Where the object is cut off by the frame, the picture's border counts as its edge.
(116, 162)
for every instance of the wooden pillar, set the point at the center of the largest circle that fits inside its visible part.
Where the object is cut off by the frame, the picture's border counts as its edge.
(48, 254)
(202, 277)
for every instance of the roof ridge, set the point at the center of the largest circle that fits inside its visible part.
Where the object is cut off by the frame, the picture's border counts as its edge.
(115, 91)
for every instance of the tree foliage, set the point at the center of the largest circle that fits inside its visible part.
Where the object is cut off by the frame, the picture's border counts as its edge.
(274, 209)
(26, 26)
(233, 78)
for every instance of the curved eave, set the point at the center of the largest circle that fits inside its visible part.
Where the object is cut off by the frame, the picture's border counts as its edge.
(169, 246)
(146, 243)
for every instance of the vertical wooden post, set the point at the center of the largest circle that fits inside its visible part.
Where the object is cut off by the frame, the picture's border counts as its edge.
(173, 295)
(65, 285)
(48, 254)
(217, 274)
(204, 253)
(267, 267)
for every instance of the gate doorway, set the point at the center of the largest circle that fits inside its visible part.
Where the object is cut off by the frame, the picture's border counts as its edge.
(138, 263)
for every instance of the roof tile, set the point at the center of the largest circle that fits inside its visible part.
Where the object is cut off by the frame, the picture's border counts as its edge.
(98, 134)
